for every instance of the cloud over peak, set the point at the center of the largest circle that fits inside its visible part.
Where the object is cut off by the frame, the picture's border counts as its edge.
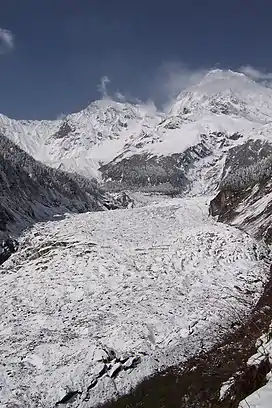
(102, 87)
(257, 75)
(6, 40)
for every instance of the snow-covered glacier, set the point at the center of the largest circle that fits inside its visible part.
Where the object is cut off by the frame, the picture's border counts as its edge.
(95, 302)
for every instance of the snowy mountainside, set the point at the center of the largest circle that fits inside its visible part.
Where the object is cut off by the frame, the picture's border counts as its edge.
(224, 102)
(31, 191)
(82, 141)
(162, 161)
(108, 135)
(105, 299)
(97, 134)
(228, 93)
(245, 189)
(28, 134)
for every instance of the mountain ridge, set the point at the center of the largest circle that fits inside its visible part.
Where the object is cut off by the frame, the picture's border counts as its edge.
(85, 140)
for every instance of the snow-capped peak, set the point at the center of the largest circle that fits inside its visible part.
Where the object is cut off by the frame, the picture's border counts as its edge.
(220, 80)
(226, 92)
(81, 141)
(222, 74)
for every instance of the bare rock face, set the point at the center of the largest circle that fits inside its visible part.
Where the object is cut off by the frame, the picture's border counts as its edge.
(5, 218)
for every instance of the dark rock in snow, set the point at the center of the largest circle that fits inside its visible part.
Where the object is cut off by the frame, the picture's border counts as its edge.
(8, 247)
(131, 362)
(68, 398)
(63, 131)
(99, 369)
(116, 201)
(235, 136)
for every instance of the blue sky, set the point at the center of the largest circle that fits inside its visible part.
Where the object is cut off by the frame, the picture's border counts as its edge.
(55, 52)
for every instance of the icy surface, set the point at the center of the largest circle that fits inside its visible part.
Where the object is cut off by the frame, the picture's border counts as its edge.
(94, 303)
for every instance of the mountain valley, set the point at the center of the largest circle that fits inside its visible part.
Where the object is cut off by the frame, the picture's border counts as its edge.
(144, 251)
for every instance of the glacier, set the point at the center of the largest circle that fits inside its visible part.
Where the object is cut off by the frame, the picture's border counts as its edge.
(158, 283)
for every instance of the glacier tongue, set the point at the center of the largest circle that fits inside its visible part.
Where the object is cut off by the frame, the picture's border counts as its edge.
(153, 284)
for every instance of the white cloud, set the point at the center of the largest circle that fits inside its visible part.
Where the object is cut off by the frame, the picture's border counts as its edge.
(178, 77)
(102, 87)
(120, 97)
(171, 79)
(117, 96)
(61, 116)
(6, 40)
(126, 98)
(257, 75)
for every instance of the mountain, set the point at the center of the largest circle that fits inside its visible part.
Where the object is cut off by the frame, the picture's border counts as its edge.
(226, 104)
(148, 300)
(127, 145)
(82, 141)
(136, 148)
(228, 93)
